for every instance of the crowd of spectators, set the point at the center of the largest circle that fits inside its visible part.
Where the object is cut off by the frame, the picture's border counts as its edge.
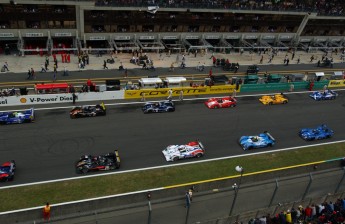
(326, 212)
(322, 7)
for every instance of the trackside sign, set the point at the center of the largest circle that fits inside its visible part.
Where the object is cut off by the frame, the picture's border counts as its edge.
(187, 91)
(60, 98)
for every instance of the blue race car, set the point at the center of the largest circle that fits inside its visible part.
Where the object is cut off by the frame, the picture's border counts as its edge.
(7, 170)
(326, 95)
(159, 107)
(320, 132)
(259, 141)
(17, 117)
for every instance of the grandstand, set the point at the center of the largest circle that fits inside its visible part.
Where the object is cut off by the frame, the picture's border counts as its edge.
(38, 27)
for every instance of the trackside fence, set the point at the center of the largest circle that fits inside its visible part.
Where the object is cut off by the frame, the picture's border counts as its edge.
(219, 202)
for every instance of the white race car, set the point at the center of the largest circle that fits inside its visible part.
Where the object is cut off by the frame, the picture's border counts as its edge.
(190, 150)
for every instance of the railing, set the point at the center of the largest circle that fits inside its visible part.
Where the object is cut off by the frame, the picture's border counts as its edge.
(250, 199)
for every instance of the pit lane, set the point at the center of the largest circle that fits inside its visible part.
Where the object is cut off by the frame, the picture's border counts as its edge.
(48, 148)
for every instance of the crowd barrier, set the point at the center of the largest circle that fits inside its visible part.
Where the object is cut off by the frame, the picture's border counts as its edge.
(60, 98)
(187, 91)
(282, 87)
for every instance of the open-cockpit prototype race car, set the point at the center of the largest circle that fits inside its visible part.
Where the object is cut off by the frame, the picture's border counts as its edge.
(158, 107)
(7, 170)
(17, 117)
(189, 150)
(318, 133)
(224, 102)
(261, 140)
(88, 111)
(276, 99)
(88, 163)
(325, 95)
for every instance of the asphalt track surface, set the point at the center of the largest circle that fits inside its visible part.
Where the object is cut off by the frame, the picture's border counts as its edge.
(48, 148)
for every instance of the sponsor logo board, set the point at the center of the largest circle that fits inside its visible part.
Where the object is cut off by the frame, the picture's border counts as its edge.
(336, 83)
(188, 91)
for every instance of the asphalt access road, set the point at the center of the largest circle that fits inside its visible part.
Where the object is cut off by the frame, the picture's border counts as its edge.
(93, 74)
(48, 148)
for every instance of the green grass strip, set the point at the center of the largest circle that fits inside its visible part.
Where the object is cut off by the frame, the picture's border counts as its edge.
(64, 191)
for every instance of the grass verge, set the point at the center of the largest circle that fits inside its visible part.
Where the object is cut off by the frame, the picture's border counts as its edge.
(37, 195)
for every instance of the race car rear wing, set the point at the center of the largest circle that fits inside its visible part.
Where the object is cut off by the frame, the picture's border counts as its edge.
(117, 159)
(103, 106)
(201, 145)
(30, 114)
(270, 136)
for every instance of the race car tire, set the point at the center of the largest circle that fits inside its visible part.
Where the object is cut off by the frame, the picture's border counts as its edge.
(269, 145)
(72, 116)
(199, 155)
(215, 107)
(284, 102)
(84, 170)
(233, 105)
(270, 103)
(175, 158)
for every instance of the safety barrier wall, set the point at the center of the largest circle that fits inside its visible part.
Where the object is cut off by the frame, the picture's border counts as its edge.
(60, 98)
(187, 91)
(282, 87)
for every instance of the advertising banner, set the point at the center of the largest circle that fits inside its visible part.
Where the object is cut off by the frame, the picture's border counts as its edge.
(60, 98)
(336, 83)
(187, 91)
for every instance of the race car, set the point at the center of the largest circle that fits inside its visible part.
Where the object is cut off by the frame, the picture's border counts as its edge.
(88, 111)
(224, 102)
(325, 95)
(17, 117)
(87, 163)
(7, 170)
(190, 150)
(158, 107)
(320, 132)
(276, 99)
(258, 141)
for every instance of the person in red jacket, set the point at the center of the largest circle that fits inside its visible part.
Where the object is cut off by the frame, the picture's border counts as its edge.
(308, 213)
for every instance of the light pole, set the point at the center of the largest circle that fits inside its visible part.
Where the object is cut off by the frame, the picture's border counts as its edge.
(150, 208)
(236, 187)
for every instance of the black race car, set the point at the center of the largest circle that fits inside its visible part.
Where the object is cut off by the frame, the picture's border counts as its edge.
(87, 163)
(88, 111)
(7, 170)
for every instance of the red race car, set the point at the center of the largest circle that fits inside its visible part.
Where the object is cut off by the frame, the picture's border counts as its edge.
(223, 102)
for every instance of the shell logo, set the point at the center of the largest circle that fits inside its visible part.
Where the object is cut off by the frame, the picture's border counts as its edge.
(23, 100)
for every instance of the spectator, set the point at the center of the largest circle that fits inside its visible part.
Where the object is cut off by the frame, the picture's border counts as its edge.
(46, 212)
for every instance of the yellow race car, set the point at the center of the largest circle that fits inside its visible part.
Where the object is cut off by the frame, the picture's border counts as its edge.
(276, 99)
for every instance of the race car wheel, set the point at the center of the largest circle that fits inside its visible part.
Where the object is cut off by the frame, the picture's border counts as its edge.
(199, 155)
(233, 105)
(175, 158)
(270, 145)
(284, 102)
(84, 170)
(72, 116)
(270, 103)
(215, 107)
